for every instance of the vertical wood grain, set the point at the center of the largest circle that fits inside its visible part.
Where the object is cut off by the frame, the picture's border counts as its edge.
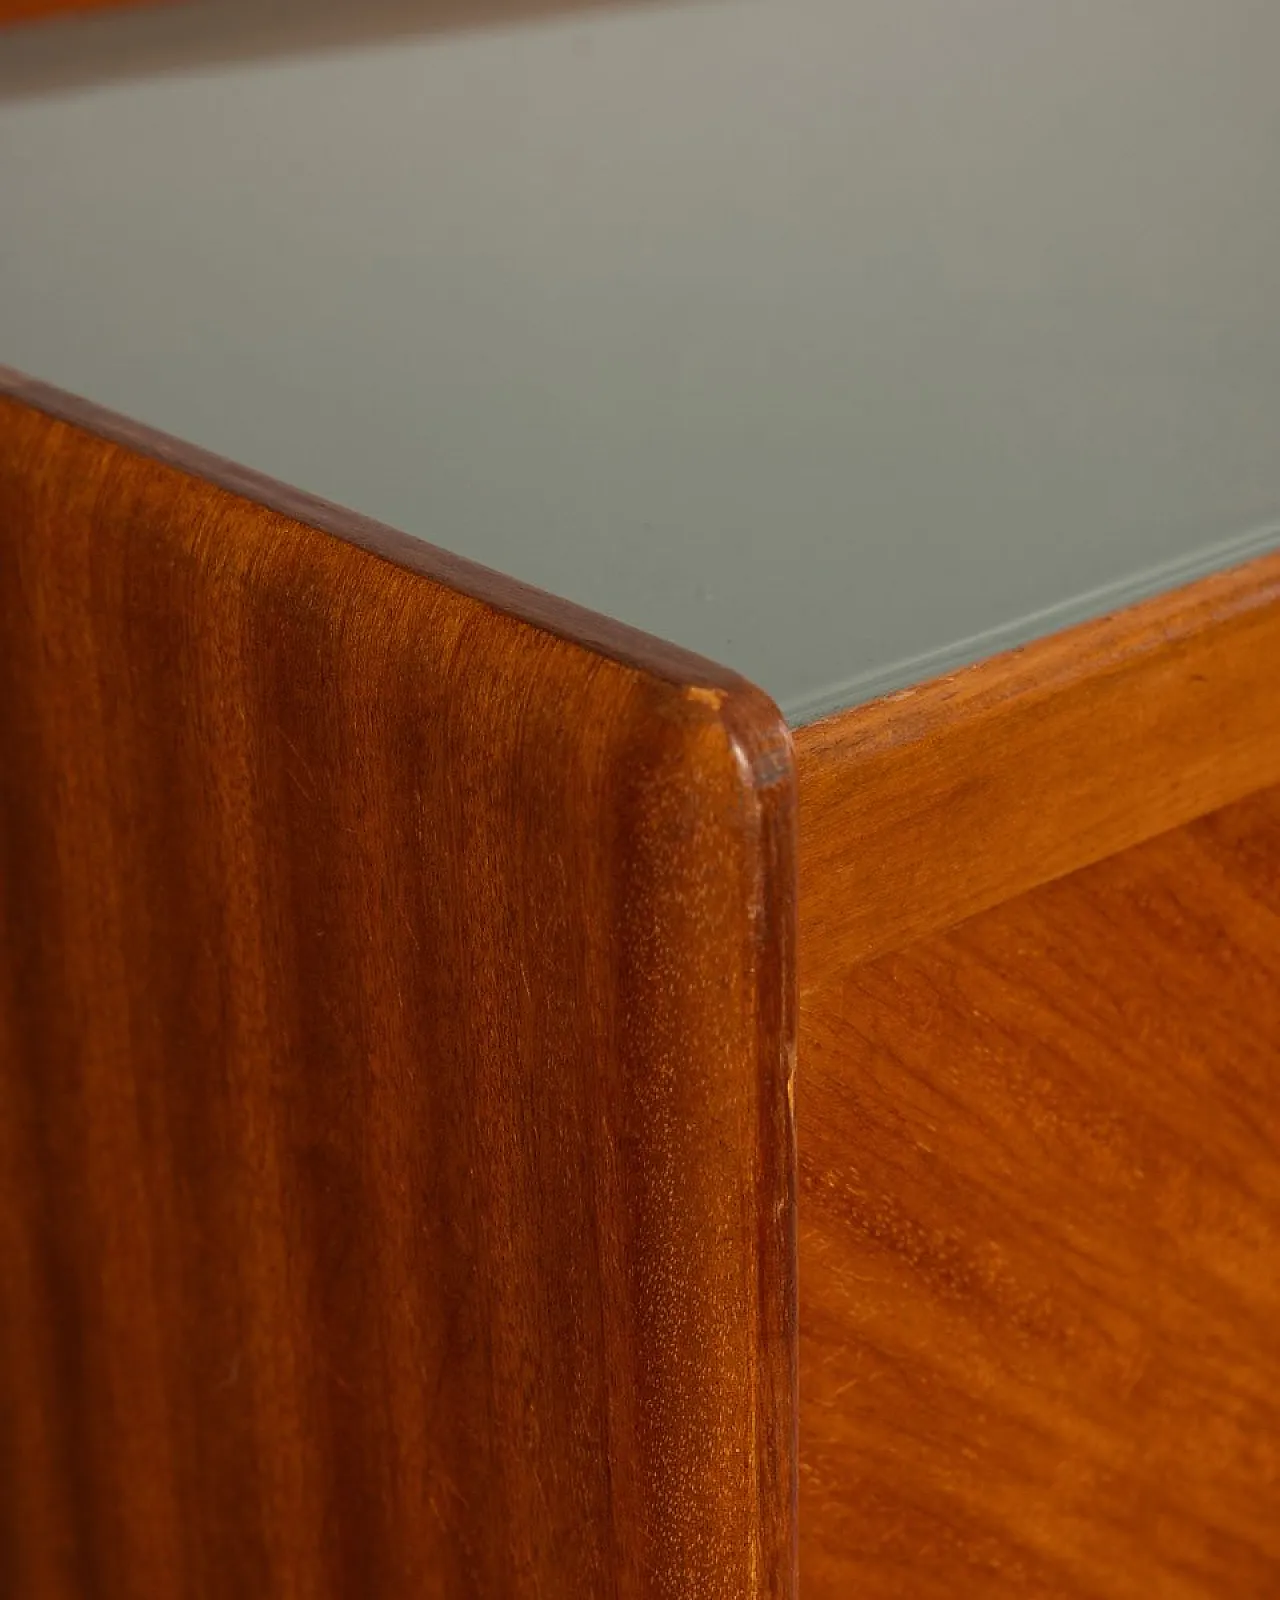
(396, 1167)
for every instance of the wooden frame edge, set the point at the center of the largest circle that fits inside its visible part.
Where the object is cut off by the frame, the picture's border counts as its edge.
(686, 708)
(563, 619)
(928, 805)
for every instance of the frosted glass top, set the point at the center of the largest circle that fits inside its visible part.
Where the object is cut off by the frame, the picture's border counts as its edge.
(840, 340)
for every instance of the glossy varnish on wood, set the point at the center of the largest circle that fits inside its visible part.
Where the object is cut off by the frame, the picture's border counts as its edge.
(395, 1029)
(1040, 1240)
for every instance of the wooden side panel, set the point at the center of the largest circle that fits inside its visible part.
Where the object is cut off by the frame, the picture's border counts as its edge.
(395, 1036)
(929, 805)
(1040, 1240)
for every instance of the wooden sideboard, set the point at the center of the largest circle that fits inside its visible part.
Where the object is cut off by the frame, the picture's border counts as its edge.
(408, 1181)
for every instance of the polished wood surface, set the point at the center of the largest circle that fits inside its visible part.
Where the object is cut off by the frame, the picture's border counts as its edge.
(1040, 1240)
(396, 1052)
(932, 804)
(396, 1027)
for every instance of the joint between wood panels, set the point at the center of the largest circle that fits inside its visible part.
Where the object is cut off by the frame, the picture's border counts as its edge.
(932, 804)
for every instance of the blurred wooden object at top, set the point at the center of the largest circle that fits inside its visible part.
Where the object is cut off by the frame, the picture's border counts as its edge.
(31, 10)
(98, 41)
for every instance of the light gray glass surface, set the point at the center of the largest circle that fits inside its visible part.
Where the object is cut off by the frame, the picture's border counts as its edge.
(840, 340)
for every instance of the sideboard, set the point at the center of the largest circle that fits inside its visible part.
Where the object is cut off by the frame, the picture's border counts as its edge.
(489, 1110)
(704, 1021)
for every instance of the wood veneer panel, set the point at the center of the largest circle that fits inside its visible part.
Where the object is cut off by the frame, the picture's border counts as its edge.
(1040, 1240)
(926, 806)
(395, 1026)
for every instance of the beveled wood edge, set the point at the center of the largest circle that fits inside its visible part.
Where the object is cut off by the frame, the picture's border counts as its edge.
(602, 635)
(757, 727)
(692, 693)
(758, 731)
(931, 804)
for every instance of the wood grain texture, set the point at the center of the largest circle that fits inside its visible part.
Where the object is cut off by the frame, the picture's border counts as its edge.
(396, 1162)
(929, 805)
(1040, 1241)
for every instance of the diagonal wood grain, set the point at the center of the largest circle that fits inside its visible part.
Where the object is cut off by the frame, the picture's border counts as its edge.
(395, 1038)
(1040, 1242)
